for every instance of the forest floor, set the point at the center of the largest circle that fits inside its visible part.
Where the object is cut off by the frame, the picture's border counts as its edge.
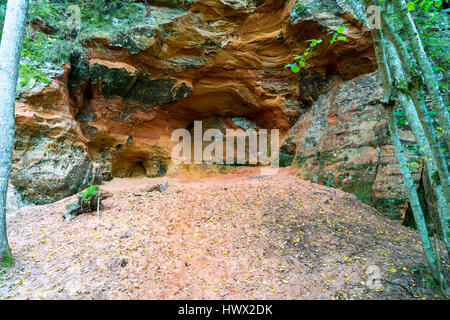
(235, 236)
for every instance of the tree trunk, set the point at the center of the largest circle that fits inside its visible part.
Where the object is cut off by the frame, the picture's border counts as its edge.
(379, 44)
(10, 50)
(411, 115)
(412, 193)
(384, 51)
(414, 93)
(425, 67)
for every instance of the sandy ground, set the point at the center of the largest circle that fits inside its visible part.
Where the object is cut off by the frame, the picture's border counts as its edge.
(235, 236)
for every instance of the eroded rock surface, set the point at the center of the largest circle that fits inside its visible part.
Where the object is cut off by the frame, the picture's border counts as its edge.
(342, 142)
(112, 112)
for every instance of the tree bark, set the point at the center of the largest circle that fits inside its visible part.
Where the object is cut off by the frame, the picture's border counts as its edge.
(383, 52)
(414, 93)
(425, 66)
(10, 50)
(404, 100)
(412, 193)
(379, 44)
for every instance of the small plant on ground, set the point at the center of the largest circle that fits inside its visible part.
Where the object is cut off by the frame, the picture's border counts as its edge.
(89, 192)
(6, 260)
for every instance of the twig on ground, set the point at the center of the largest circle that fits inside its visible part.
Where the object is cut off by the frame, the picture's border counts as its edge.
(98, 207)
(405, 286)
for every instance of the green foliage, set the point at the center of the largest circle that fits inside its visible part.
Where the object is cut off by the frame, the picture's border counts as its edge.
(45, 11)
(426, 5)
(300, 60)
(28, 72)
(430, 17)
(448, 233)
(89, 192)
(42, 48)
(299, 5)
(428, 279)
(98, 14)
(324, 177)
(6, 260)
(59, 41)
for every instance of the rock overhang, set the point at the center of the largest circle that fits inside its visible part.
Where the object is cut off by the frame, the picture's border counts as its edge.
(216, 59)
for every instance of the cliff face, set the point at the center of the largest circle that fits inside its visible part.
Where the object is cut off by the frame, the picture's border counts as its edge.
(342, 142)
(112, 112)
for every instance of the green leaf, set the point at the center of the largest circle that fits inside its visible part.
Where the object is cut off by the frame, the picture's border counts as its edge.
(340, 30)
(295, 68)
(410, 6)
(334, 38)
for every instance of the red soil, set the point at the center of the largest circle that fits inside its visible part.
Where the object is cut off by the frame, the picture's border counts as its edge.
(234, 236)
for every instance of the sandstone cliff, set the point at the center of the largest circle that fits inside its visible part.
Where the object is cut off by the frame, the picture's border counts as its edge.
(110, 112)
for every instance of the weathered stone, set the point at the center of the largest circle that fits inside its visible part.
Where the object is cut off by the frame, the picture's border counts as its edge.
(342, 142)
(287, 152)
(158, 92)
(113, 110)
(13, 200)
(45, 170)
(155, 167)
(114, 78)
(50, 160)
(236, 4)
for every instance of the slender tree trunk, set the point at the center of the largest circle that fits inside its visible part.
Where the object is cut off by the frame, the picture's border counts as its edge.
(412, 193)
(380, 54)
(411, 115)
(414, 93)
(10, 49)
(425, 66)
(382, 44)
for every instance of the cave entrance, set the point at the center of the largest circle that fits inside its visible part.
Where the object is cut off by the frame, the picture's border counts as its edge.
(125, 168)
(138, 170)
(127, 165)
(244, 142)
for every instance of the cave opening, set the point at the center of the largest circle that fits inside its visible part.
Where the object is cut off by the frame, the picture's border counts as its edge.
(246, 136)
(138, 170)
(128, 167)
